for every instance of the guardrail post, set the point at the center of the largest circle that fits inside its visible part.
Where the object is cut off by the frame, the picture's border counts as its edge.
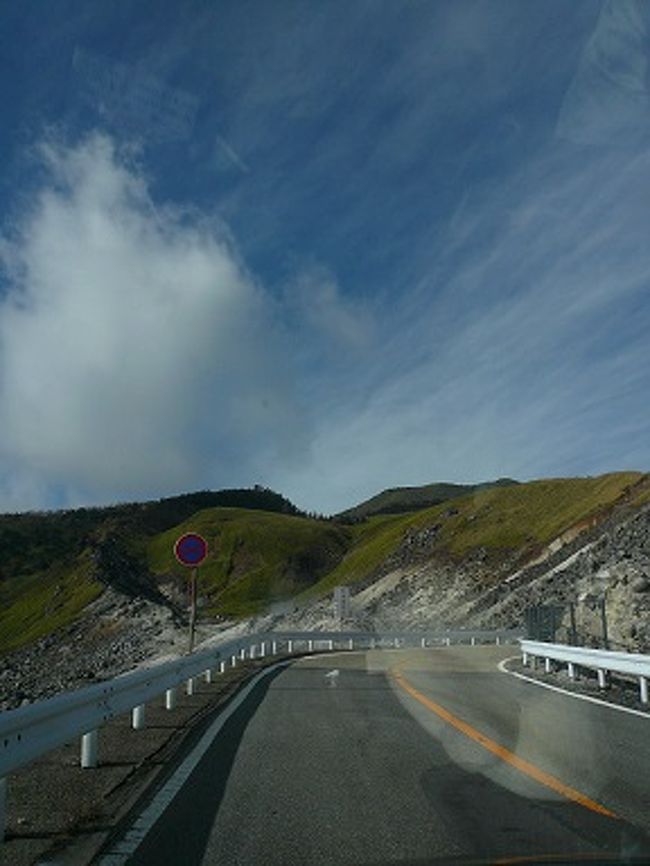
(572, 671)
(242, 653)
(137, 717)
(170, 699)
(3, 808)
(643, 686)
(263, 649)
(89, 744)
(251, 652)
(602, 682)
(208, 675)
(274, 647)
(473, 642)
(447, 641)
(524, 659)
(497, 640)
(189, 688)
(310, 645)
(547, 665)
(423, 642)
(331, 645)
(351, 644)
(289, 646)
(222, 667)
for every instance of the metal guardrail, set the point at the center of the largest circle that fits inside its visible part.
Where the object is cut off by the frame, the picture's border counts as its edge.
(32, 731)
(601, 661)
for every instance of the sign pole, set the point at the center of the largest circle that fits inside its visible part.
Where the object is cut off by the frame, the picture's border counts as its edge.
(190, 550)
(192, 607)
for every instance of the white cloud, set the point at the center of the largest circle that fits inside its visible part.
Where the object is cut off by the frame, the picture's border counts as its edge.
(137, 354)
(323, 313)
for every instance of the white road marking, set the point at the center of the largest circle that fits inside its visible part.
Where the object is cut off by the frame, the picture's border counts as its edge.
(504, 670)
(123, 848)
(332, 676)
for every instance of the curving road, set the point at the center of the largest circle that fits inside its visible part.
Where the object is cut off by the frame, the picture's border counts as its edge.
(412, 757)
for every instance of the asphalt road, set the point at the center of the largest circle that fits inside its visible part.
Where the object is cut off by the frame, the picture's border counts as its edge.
(409, 757)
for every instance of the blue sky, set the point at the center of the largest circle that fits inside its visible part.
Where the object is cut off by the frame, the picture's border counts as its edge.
(325, 247)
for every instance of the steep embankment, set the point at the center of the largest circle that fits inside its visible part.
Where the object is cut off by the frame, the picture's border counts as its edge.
(485, 559)
(499, 527)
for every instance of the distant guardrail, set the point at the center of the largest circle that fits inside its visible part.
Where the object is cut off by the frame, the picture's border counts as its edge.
(30, 732)
(601, 661)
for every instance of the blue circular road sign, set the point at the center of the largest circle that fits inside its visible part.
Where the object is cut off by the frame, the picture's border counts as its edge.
(191, 549)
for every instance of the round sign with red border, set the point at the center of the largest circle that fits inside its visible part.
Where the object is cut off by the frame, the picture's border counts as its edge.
(191, 549)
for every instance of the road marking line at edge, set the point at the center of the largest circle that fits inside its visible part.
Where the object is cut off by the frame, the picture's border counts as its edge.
(123, 847)
(592, 700)
(501, 752)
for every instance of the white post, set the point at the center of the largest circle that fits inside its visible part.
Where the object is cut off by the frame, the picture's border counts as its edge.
(351, 644)
(643, 685)
(331, 645)
(310, 645)
(242, 653)
(289, 646)
(190, 686)
(208, 675)
(222, 667)
(263, 649)
(274, 647)
(251, 652)
(602, 683)
(137, 717)
(448, 641)
(233, 660)
(524, 659)
(498, 640)
(3, 808)
(395, 643)
(89, 750)
(474, 643)
(572, 671)
(547, 665)
(423, 642)
(170, 699)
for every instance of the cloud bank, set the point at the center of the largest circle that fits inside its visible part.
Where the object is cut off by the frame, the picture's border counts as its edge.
(137, 354)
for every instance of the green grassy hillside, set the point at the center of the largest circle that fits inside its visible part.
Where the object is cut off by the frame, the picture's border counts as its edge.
(48, 559)
(522, 517)
(259, 557)
(255, 558)
(398, 500)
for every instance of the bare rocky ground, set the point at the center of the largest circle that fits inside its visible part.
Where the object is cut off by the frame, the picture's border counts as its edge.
(415, 593)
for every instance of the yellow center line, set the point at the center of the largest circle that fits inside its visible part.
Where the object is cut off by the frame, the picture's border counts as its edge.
(500, 751)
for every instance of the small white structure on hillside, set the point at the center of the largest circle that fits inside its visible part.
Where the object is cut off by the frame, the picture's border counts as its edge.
(342, 602)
